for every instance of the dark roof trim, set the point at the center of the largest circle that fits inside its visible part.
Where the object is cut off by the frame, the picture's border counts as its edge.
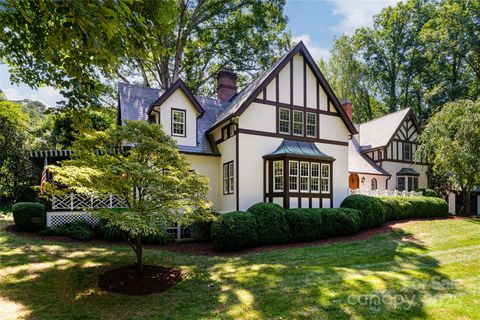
(370, 173)
(408, 172)
(410, 115)
(178, 84)
(300, 47)
(201, 154)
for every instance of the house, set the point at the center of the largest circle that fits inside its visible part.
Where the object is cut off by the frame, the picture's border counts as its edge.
(382, 154)
(282, 139)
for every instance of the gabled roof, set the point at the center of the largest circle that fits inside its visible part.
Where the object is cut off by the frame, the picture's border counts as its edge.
(359, 162)
(378, 132)
(299, 149)
(179, 84)
(251, 91)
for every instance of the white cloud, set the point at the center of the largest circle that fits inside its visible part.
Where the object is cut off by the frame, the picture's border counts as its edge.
(47, 95)
(357, 14)
(316, 51)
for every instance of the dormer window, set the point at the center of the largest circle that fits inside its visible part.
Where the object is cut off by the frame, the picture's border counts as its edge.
(178, 123)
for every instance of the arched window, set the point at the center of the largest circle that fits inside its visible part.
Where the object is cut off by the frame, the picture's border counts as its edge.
(374, 184)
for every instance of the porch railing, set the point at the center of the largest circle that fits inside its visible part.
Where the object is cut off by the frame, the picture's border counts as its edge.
(386, 193)
(75, 201)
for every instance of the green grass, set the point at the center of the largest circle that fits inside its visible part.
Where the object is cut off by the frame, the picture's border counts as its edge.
(405, 274)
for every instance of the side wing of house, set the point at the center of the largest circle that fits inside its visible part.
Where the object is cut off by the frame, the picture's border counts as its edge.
(399, 157)
(288, 140)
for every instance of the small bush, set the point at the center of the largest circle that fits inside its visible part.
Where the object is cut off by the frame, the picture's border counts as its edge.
(160, 238)
(78, 230)
(340, 221)
(272, 225)
(428, 192)
(202, 230)
(234, 230)
(112, 233)
(413, 207)
(305, 224)
(372, 211)
(29, 216)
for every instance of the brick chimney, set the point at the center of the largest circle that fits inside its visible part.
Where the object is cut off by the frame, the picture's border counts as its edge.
(227, 84)
(347, 106)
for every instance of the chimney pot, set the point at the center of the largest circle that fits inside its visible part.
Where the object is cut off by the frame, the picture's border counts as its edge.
(347, 106)
(227, 84)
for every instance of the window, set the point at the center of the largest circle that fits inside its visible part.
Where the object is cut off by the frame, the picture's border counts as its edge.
(407, 183)
(178, 123)
(277, 176)
(284, 121)
(407, 151)
(228, 177)
(228, 131)
(325, 178)
(297, 123)
(315, 177)
(415, 183)
(374, 184)
(401, 183)
(293, 175)
(311, 124)
(304, 174)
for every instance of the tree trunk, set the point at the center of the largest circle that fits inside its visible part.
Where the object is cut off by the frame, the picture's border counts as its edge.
(139, 252)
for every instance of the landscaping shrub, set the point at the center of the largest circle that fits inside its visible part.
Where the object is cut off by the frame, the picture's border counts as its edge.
(160, 238)
(305, 224)
(234, 230)
(112, 233)
(29, 216)
(272, 225)
(428, 192)
(413, 207)
(202, 230)
(78, 230)
(340, 221)
(372, 212)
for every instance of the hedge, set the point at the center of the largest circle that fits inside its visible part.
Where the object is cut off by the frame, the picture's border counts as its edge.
(29, 216)
(272, 225)
(413, 207)
(78, 230)
(428, 192)
(340, 221)
(372, 211)
(305, 224)
(234, 230)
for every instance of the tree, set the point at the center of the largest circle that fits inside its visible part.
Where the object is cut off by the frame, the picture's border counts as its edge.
(15, 167)
(140, 163)
(81, 47)
(451, 143)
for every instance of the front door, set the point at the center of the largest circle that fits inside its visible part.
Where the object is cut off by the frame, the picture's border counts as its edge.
(353, 181)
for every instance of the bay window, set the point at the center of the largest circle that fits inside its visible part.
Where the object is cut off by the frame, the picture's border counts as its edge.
(304, 175)
(325, 178)
(315, 177)
(278, 176)
(293, 175)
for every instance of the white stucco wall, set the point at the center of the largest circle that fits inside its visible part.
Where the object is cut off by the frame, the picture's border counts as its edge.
(333, 128)
(226, 202)
(394, 167)
(366, 185)
(178, 100)
(208, 166)
(340, 170)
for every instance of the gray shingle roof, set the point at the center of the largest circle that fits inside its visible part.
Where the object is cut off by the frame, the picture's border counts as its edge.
(135, 100)
(360, 163)
(377, 133)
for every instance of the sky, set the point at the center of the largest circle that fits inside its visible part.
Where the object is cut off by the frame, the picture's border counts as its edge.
(315, 22)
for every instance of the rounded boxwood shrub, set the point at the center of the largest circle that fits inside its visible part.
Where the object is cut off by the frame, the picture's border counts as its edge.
(78, 230)
(29, 216)
(234, 230)
(272, 225)
(340, 221)
(414, 207)
(428, 192)
(305, 224)
(372, 211)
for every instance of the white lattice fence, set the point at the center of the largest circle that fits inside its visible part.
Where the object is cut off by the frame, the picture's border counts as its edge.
(386, 193)
(74, 201)
(58, 218)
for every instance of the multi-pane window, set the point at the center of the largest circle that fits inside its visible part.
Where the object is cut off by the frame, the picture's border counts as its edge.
(311, 124)
(178, 123)
(407, 151)
(293, 175)
(304, 174)
(415, 183)
(401, 183)
(284, 121)
(325, 178)
(277, 176)
(297, 123)
(228, 177)
(315, 177)
(374, 184)
(407, 183)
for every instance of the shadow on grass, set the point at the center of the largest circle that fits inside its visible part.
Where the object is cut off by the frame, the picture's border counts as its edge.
(385, 277)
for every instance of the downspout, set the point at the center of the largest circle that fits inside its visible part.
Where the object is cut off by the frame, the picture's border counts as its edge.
(386, 182)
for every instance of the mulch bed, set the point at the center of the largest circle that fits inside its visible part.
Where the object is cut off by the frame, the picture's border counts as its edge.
(130, 280)
(206, 248)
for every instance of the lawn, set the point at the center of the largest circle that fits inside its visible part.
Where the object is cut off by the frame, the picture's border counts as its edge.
(423, 270)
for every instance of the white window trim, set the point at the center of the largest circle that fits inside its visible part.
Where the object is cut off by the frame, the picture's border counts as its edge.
(228, 178)
(314, 125)
(280, 121)
(323, 177)
(303, 176)
(293, 176)
(317, 178)
(183, 123)
(278, 175)
(296, 122)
